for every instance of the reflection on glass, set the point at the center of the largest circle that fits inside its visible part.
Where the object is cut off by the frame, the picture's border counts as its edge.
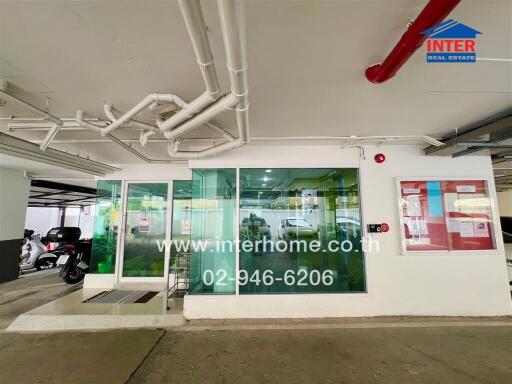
(446, 215)
(181, 229)
(146, 218)
(106, 226)
(212, 267)
(295, 229)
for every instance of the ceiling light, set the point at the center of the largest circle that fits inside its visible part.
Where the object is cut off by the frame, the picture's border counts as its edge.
(265, 178)
(263, 185)
(268, 170)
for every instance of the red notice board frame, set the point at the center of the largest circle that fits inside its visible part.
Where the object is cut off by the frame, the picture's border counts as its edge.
(496, 227)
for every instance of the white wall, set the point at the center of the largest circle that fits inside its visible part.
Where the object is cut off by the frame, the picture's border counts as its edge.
(14, 191)
(505, 203)
(41, 220)
(469, 284)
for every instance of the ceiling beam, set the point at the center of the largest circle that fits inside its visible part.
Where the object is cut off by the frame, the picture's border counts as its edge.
(502, 126)
(63, 187)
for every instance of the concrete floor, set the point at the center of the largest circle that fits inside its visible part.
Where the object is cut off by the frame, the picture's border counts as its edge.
(31, 290)
(385, 350)
(380, 355)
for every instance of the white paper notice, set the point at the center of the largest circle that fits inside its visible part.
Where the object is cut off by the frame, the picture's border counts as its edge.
(480, 228)
(474, 203)
(451, 202)
(466, 188)
(466, 228)
(411, 190)
(413, 205)
(452, 225)
(416, 227)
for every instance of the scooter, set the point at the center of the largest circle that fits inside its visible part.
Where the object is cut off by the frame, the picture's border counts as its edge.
(35, 254)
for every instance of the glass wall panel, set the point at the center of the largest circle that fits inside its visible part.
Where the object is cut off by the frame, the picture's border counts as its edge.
(106, 226)
(213, 251)
(300, 231)
(181, 226)
(145, 230)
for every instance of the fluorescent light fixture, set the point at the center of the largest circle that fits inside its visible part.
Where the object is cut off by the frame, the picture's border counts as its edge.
(268, 170)
(12, 146)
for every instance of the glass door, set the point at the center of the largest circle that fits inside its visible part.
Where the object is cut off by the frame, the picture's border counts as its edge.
(145, 230)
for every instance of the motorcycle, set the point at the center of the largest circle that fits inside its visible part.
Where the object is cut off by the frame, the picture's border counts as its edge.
(35, 254)
(74, 254)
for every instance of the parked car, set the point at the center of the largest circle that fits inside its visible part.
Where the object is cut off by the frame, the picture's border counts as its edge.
(254, 228)
(296, 228)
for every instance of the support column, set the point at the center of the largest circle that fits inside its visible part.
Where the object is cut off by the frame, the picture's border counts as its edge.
(14, 193)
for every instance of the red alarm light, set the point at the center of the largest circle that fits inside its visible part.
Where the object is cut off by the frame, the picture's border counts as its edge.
(379, 158)
(384, 227)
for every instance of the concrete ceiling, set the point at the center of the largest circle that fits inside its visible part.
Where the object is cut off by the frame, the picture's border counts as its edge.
(306, 66)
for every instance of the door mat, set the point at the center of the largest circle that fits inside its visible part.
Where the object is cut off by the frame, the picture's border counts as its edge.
(117, 296)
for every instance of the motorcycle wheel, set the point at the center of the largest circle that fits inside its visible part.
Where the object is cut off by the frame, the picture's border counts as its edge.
(73, 276)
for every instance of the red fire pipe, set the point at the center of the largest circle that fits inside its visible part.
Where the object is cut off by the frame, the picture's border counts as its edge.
(434, 13)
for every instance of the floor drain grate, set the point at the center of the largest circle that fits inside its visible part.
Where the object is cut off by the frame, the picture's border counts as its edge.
(121, 297)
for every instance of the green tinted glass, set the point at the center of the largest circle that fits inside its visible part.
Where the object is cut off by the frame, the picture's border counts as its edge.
(300, 231)
(145, 230)
(106, 226)
(212, 266)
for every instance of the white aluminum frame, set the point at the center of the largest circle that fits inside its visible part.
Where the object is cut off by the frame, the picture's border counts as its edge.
(491, 194)
(122, 233)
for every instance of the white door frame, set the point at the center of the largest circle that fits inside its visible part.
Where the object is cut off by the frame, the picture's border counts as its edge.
(120, 254)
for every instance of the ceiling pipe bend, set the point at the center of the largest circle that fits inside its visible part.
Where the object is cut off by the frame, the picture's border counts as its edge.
(212, 151)
(232, 16)
(433, 13)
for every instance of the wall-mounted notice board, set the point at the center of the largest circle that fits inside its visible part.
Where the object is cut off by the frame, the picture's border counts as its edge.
(446, 215)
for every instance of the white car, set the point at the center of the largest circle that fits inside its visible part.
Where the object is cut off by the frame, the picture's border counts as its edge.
(296, 228)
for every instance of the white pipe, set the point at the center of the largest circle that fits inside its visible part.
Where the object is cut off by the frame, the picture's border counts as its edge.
(126, 117)
(196, 27)
(233, 31)
(49, 137)
(187, 155)
(29, 107)
(109, 112)
(80, 121)
(226, 102)
(220, 130)
(192, 108)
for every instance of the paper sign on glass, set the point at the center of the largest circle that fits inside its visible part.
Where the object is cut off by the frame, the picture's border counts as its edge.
(466, 228)
(413, 205)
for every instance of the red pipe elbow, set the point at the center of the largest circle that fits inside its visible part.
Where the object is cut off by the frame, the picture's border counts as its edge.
(433, 13)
